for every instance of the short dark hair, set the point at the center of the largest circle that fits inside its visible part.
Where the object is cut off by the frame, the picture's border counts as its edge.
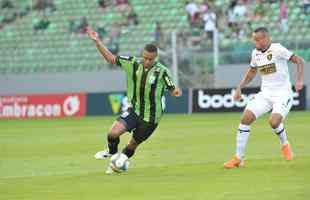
(150, 48)
(261, 30)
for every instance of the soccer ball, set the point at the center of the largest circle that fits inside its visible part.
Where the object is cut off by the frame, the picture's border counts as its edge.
(119, 162)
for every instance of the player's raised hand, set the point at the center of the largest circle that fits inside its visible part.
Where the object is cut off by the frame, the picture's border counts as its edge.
(298, 85)
(176, 92)
(92, 34)
(237, 94)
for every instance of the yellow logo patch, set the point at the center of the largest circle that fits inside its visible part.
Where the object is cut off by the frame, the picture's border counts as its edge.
(116, 102)
(269, 56)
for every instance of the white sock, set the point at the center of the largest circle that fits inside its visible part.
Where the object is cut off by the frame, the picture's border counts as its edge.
(242, 139)
(280, 131)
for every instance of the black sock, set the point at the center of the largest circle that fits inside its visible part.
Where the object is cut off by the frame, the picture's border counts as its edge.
(112, 144)
(128, 152)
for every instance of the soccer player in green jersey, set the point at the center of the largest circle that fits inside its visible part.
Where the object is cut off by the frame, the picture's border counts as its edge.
(146, 81)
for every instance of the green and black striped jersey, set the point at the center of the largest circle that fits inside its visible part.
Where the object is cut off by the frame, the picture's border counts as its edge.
(145, 88)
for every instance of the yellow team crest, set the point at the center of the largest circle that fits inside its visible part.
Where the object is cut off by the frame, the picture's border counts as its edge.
(269, 56)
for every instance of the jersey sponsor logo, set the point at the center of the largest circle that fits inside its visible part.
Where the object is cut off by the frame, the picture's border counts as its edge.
(267, 69)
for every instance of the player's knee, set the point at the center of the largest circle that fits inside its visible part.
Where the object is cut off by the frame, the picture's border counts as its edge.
(112, 134)
(115, 132)
(117, 129)
(274, 123)
(247, 118)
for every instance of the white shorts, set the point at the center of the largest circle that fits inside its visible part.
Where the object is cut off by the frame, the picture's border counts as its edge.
(278, 102)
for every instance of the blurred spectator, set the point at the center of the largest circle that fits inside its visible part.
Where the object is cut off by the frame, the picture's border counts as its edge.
(259, 10)
(306, 6)
(209, 19)
(8, 16)
(192, 10)
(231, 18)
(103, 4)
(283, 16)
(45, 5)
(7, 4)
(129, 16)
(113, 38)
(240, 11)
(82, 25)
(204, 6)
(78, 26)
(122, 5)
(159, 38)
(9, 12)
(120, 2)
(132, 17)
(237, 17)
(42, 24)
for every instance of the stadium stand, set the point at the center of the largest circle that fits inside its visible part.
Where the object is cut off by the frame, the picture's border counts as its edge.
(52, 38)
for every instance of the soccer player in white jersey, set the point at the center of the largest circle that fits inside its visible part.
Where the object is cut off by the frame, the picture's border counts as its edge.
(270, 59)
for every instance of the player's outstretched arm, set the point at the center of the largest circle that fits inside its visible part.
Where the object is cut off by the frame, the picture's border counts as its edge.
(300, 71)
(108, 56)
(248, 77)
(174, 91)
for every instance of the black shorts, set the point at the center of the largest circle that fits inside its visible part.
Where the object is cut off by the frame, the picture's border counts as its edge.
(140, 128)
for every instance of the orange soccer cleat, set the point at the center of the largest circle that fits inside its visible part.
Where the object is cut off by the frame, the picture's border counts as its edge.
(233, 163)
(287, 151)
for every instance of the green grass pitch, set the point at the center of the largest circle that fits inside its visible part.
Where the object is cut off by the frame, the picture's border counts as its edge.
(53, 159)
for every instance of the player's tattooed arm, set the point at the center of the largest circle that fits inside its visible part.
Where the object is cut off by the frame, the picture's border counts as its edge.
(300, 71)
(108, 56)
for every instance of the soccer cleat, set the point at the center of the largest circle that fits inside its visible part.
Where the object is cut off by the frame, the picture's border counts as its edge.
(109, 170)
(100, 155)
(287, 151)
(233, 163)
